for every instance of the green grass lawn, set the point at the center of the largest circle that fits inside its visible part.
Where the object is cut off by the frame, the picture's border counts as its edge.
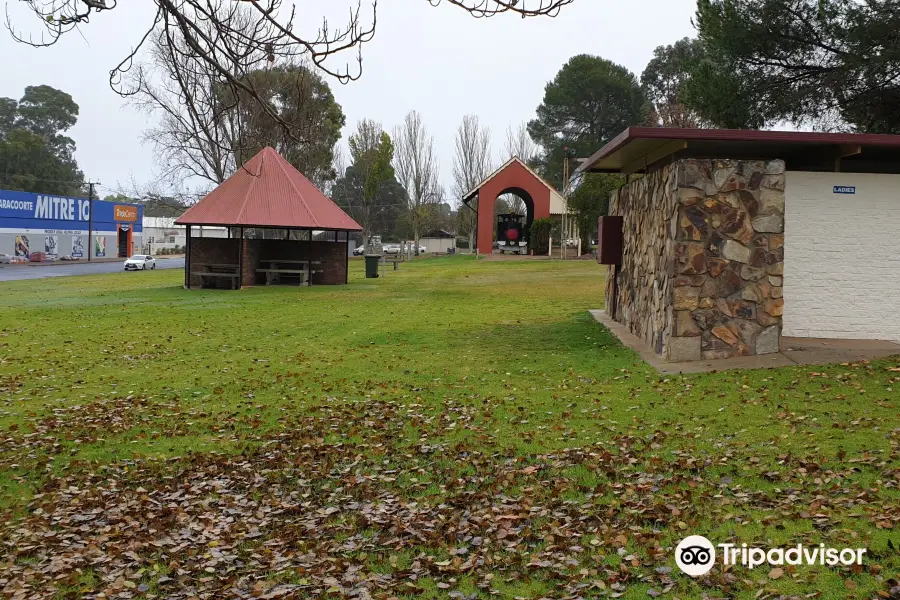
(458, 429)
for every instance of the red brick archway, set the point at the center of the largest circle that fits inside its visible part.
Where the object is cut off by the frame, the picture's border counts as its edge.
(513, 177)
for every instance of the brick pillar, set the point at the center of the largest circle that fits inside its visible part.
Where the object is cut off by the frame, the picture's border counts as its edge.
(250, 262)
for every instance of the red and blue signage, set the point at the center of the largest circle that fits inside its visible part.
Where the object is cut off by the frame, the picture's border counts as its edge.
(27, 211)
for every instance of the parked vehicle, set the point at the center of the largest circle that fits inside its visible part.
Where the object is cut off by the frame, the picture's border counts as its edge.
(4, 259)
(140, 262)
(359, 251)
(391, 248)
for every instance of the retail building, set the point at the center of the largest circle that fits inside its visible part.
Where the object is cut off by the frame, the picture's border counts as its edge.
(60, 226)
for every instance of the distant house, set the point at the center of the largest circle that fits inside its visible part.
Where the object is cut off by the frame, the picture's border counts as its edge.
(438, 241)
(162, 232)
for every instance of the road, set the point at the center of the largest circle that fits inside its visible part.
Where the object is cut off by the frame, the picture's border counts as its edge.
(15, 273)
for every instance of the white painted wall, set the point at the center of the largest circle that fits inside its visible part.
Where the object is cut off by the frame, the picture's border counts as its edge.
(437, 244)
(842, 256)
(557, 203)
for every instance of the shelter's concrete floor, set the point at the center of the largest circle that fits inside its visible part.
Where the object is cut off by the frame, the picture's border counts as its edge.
(794, 351)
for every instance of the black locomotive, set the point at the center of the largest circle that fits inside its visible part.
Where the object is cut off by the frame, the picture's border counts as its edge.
(511, 233)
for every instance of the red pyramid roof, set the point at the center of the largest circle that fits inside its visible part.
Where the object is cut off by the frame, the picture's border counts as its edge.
(268, 192)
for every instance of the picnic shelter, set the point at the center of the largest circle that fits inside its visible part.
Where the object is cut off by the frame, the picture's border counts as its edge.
(281, 230)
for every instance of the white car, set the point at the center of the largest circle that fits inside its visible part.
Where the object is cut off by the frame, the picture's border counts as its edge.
(391, 248)
(140, 262)
(4, 259)
(359, 251)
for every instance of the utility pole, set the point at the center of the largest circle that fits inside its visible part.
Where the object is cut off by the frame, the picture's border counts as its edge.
(91, 185)
(565, 216)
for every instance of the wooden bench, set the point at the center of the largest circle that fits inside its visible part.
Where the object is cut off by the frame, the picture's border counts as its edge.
(213, 272)
(395, 260)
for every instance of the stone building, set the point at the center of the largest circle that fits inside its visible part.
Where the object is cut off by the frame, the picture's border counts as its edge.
(732, 239)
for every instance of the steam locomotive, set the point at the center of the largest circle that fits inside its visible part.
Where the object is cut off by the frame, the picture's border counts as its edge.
(511, 234)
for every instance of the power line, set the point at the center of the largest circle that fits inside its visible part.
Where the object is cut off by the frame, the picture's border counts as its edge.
(12, 178)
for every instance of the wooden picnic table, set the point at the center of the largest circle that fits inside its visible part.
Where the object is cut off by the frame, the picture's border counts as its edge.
(213, 271)
(396, 260)
(274, 272)
(274, 275)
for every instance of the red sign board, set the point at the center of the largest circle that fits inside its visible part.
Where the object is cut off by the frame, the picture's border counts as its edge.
(125, 213)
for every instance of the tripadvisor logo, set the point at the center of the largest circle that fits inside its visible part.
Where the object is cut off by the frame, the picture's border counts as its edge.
(695, 555)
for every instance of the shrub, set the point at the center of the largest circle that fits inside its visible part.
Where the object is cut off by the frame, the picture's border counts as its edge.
(539, 236)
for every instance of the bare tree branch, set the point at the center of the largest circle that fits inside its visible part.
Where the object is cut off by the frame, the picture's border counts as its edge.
(526, 8)
(205, 128)
(210, 42)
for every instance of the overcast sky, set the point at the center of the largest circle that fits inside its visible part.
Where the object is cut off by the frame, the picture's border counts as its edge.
(439, 61)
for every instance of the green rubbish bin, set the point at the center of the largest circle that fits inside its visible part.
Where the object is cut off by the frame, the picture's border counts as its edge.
(372, 266)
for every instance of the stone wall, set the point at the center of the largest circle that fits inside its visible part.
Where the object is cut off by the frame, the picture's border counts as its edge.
(645, 286)
(704, 258)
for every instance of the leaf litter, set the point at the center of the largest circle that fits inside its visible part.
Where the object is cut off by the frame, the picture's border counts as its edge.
(296, 516)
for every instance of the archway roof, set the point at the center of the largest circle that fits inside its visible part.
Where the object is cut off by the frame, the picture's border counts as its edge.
(557, 203)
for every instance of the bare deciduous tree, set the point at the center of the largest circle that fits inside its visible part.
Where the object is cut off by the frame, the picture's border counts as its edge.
(417, 171)
(228, 52)
(471, 164)
(196, 133)
(205, 129)
(519, 143)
